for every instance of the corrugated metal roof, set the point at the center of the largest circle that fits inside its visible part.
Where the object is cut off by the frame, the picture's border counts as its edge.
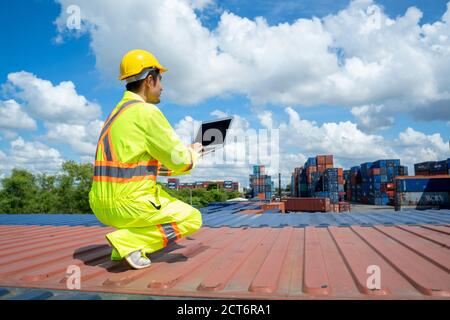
(8, 293)
(231, 218)
(286, 263)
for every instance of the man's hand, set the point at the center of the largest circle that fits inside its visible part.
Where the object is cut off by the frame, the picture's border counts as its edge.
(197, 147)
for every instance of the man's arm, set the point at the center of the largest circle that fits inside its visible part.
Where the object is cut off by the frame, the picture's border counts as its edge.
(164, 145)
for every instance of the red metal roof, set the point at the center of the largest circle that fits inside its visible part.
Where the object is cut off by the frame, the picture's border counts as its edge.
(274, 263)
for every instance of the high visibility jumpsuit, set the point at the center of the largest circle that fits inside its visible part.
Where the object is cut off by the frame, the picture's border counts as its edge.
(136, 144)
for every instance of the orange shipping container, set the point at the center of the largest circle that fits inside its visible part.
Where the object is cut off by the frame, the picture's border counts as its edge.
(329, 160)
(311, 169)
(375, 171)
(308, 204)
(274, 205)
(340, 172)
(320, 160)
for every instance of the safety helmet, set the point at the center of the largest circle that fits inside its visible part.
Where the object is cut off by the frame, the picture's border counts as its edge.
(136, 64)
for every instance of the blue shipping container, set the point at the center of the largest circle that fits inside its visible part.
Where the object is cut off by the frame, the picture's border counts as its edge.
(423, 185)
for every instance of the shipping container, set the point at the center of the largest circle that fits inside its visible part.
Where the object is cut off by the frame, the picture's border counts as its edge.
(344, 206)
(422, 168)
(320, 160)
(172, 185)
(311, 162)
(423, 184)
(308, 204)
(422, 200)
(439, 167)
(329, 160)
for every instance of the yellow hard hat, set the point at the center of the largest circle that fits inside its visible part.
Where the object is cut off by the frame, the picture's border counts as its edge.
(134, 62)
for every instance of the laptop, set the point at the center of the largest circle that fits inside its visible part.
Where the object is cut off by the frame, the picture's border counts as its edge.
(212, 134)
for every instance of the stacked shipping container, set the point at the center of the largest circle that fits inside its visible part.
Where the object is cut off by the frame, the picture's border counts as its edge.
(422, 192)
(432, 168)
(173, 183)
(261, 183)
(373, 182)
(318, 179)
(226, 185)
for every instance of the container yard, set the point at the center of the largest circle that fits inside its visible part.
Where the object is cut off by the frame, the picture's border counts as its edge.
(261, 184)
(227, 185)
(383, 182)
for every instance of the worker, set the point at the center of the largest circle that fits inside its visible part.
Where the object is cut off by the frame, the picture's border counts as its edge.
(136, 145)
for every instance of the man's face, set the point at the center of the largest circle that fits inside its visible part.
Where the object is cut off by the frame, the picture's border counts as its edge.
(153, 89)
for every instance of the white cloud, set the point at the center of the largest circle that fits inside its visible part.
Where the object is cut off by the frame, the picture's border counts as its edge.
(359, 56)
(200, 4)
(371, 117)
(33, 156)
(81, 138)
(13, 117)
(343, 138)
(48, 102)
(69, 117)
(415, 147)
(10, 135)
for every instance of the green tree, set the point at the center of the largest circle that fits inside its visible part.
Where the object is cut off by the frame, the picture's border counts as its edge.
(73, 189)
(19, 193)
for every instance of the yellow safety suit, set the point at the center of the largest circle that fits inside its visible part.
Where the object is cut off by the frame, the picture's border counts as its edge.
(137, 143)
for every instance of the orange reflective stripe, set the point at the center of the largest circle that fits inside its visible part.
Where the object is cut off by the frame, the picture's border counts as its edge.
(111, 119)
(123, 180)
(113, 153)
(103, 151)
(177, 231)
(126, 165)
(163, 234)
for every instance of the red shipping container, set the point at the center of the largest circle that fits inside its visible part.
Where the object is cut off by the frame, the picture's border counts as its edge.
(391, 194)
(340, 172)
(329, 160)
(344, 207)
(375, 172)
(321, 160)
(308, 204)
(328, 166)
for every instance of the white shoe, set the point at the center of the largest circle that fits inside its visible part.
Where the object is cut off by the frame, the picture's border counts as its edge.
(137, 260)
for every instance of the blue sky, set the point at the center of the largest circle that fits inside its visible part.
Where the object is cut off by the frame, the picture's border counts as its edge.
(30, 30)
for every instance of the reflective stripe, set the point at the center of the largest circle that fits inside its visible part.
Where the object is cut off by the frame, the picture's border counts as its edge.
(107, 148)
(123, 180)
(111, 119)
(127, 165)
(124, 173)
(170, 233)
(108, 152)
